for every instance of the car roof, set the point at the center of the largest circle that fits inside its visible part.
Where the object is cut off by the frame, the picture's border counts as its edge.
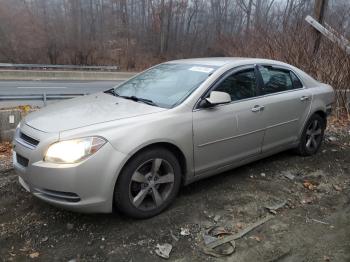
(222, 61)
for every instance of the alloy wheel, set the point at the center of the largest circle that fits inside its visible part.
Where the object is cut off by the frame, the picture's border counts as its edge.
(313, 135)
(151, 184)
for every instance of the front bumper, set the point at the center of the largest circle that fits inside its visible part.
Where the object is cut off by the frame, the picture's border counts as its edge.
(84, 187)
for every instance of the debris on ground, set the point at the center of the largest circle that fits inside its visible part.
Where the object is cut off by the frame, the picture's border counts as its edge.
(316, 220)
(337, 188)
(288, 175)
(214, 234)
(255, 238)
(307, 200)
(218, 242)
(332, 139)
(185, 231)
(263, 174)
(217, 218)
(164, 250)
(273, 209)
(173, 236)
(34, 255)
(311, 185)
(252, 226)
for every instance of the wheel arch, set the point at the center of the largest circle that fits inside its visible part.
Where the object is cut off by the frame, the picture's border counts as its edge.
(318, 111)
(180, 156)
(178, 153)
(322, 113)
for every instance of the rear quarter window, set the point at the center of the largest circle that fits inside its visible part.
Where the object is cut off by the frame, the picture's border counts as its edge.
(296, 81)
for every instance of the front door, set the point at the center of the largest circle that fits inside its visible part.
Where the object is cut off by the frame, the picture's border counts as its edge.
(230, 132)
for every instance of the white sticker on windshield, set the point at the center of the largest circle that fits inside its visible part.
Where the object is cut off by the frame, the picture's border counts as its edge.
(201, 69)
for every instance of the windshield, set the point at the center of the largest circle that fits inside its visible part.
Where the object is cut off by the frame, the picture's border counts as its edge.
(166, 85)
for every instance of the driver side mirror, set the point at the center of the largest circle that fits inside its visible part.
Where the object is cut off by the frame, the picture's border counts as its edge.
(216, 98)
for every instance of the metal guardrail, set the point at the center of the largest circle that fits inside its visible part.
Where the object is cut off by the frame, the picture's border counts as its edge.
(61, 67)
(41, 97)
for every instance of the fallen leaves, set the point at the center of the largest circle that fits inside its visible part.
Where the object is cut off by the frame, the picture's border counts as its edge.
(337, 188)
(311, 185)
(5, 155)
(255, 238)
(34, 255)
(5, 148)
(25, 108)
(239, 225)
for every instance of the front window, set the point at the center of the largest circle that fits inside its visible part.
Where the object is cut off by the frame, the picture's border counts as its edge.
(241, 85)
(166, 85)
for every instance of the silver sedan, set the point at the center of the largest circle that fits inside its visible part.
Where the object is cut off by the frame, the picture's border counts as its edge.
(133, 146)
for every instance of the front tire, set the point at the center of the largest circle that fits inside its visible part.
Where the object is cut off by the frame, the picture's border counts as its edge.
(148, 183)
(312, 136)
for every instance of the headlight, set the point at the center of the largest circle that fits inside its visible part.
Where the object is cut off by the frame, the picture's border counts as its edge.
(73, 151)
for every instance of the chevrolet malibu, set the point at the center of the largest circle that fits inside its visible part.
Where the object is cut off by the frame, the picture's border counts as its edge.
(133, 146)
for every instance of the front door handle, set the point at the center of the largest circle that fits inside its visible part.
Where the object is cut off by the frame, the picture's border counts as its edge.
(304, 98)
(257, 108)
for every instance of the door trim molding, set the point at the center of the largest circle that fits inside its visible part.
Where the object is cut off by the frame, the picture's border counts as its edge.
(283, 123)
(231, 137)
(248, 133)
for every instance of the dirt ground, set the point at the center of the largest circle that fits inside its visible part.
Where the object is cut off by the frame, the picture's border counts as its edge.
(313, 225)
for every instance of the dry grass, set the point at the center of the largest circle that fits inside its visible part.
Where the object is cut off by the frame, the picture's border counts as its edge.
(329, 65)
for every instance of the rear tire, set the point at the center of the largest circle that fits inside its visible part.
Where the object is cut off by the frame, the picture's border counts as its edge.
(148, 183)
(312, 136)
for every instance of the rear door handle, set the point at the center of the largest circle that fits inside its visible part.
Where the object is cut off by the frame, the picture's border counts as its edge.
(257, 108)
(304, 98)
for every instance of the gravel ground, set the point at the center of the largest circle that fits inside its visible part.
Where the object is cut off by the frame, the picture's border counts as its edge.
(313, 225)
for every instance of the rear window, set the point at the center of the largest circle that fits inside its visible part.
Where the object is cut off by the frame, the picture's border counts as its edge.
(275, 80)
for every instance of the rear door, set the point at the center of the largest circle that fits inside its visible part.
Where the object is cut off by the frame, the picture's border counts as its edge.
(229, 132)
(287, 104)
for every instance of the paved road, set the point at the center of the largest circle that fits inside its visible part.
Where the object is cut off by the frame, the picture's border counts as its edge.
(54, 87)
(50, 87)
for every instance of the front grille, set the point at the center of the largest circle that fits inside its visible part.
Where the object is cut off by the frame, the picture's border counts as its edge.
(58, 195)
(22, 160)
(28, 139)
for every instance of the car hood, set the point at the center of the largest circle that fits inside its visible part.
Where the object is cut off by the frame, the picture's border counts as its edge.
(85, 111)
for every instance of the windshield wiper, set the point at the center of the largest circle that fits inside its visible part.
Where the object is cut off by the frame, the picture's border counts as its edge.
(111, 91)
(133, 98)
(139, 99)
